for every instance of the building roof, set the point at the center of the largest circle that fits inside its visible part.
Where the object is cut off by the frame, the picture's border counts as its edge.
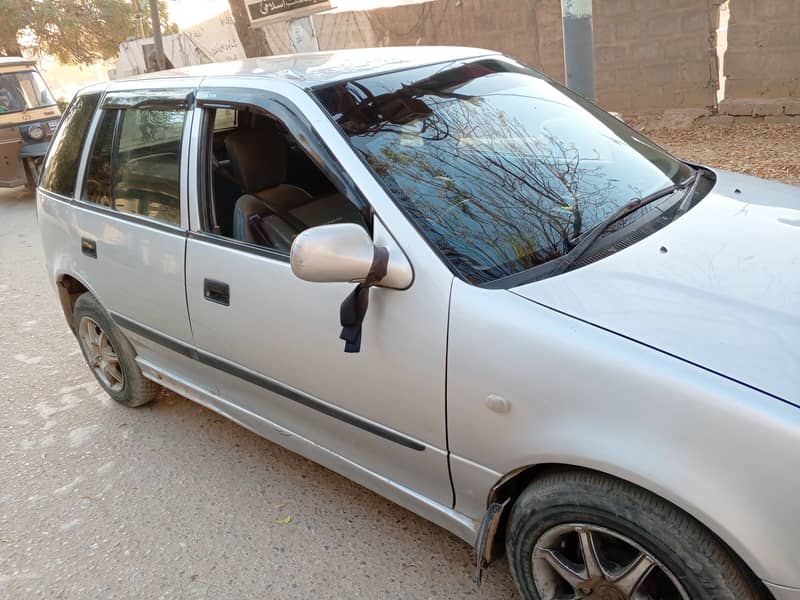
(311, 69)
(12, 61)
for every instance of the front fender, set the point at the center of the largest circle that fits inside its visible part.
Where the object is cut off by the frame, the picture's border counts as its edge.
(583, 396)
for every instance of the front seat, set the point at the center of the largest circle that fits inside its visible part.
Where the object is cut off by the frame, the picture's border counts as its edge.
(258, 160)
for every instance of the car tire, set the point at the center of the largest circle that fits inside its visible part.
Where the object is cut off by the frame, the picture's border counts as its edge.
(638, 545)
(109, 355)
(31, 166)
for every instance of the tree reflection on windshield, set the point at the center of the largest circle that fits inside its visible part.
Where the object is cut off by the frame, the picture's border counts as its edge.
(499, 169)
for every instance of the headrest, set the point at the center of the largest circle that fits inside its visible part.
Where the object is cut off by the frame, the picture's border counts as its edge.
(258, 158)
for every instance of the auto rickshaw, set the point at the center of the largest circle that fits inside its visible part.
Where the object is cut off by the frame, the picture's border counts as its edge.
(29, 116)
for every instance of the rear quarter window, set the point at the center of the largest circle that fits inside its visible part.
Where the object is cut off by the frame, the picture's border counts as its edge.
(98, 171)
(61, 166)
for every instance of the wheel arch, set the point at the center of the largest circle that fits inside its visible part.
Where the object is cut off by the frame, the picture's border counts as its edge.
(509, 487)
(70, 288)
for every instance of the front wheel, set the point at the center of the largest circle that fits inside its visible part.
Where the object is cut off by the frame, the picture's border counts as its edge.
(582, 535)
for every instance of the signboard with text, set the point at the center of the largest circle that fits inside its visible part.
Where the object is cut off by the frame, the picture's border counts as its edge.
(264, 11)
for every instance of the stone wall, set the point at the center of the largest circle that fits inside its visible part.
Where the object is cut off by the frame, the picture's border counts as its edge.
(762, 63)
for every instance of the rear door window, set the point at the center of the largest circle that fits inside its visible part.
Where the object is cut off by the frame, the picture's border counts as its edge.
(134, 166)
(148, 164)
(61, 166)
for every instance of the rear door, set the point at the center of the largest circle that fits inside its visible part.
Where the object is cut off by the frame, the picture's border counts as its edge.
(130, 214)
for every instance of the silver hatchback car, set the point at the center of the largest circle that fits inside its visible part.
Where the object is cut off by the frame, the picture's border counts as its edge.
(443, 275)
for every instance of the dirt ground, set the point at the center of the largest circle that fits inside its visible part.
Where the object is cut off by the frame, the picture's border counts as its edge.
(172, 501)
(753, 147)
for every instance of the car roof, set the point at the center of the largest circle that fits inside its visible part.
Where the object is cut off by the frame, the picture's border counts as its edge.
(312, 69)
(13, 61)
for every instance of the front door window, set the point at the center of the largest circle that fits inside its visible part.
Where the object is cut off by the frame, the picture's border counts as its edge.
(264, 188)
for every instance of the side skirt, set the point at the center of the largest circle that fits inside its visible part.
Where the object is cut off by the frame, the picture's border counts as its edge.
(444, 516)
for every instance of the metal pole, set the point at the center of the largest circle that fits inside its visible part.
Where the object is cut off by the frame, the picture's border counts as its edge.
(137, 11)
(579, 46)
(156, 20)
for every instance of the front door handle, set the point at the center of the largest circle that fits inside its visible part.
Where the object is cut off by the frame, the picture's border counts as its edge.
(217, 291)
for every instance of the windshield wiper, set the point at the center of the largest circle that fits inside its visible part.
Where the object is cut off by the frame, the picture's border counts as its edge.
(686, 203)
(591, 236)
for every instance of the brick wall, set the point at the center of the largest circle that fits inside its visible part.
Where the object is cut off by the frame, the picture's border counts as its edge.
(762, 64)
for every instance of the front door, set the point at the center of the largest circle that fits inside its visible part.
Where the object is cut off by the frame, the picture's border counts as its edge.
(275, 339)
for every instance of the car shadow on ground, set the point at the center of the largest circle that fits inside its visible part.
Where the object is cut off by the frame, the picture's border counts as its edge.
(171, 499)
(259, 477)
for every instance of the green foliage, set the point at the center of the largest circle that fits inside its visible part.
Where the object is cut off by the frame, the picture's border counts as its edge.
(74, 31)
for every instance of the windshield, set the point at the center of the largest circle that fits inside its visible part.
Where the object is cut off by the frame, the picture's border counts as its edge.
(500, 168)
(22, 91)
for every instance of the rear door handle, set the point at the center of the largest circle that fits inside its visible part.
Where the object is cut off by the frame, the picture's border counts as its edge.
(216, 291)
(89, 247)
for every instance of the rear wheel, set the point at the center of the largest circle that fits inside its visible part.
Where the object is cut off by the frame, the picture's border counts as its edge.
(110, 355)
(583, 535)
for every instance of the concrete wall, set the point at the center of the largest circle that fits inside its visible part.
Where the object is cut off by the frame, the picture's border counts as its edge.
(650, 54)
(762, 64)
(530, 30)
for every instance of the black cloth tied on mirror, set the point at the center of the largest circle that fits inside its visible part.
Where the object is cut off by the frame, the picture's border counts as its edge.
(354, 307)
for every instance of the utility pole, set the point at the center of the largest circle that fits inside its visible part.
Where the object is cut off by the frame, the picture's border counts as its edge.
(579, 46)
(137, 12)
(156, 20)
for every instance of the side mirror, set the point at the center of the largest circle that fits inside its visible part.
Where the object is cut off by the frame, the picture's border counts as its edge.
(344, 252)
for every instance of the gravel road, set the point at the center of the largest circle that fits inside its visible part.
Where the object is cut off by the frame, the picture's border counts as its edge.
(171, 500)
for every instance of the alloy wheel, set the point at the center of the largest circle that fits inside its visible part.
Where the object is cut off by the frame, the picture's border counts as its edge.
(578, 561)
(101, 355)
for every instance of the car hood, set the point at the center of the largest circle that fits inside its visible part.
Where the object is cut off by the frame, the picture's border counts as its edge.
(719, 287)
